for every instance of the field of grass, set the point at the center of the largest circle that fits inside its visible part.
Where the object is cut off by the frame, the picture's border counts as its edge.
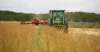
(16, 37)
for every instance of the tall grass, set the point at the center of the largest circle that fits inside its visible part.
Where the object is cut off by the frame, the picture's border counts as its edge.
(15, 37)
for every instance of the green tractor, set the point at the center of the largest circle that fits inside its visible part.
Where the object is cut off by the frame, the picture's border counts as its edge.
(58, 19)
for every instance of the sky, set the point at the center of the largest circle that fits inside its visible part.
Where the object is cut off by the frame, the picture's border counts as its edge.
(43, 6)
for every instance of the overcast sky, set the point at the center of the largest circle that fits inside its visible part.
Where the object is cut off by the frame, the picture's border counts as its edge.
(43, 6)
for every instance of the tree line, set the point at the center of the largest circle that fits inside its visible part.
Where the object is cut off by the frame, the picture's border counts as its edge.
(83, 17)
(71, 16)
(13, 16)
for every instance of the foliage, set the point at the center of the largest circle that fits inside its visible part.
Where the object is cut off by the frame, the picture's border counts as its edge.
(13, 16)
(43, 16)
(71, 16)
(83, 17)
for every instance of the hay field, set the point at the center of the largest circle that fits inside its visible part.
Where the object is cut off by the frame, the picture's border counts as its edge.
(15, 37)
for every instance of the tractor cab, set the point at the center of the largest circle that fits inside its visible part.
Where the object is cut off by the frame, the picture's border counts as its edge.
(57, 18)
